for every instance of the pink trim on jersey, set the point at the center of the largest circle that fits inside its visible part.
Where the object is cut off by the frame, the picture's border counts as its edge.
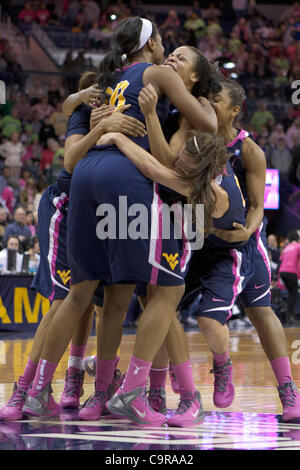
(236, 272)
(261, 248)
(290, 258)
(241, 136)
(158, 233)
(229, 315)
(186, 250)
(53, 239)
(238, 279)
(155, 252)
(237, 285)
(123, 69)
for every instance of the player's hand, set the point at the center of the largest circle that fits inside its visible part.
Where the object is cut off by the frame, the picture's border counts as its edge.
(107, 139)
(123, 124)
(239, 233)
(206, 103)
(91, 96)
(148, 100)
(98, 114)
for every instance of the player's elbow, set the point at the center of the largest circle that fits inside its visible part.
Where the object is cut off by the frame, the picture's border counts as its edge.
(209, 125)
(147, 170)
(150, 171)
(212, 125)
(65, 109)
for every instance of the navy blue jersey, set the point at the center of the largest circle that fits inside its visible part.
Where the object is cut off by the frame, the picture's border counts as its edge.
(125, 88)
(236, 211)
(235, 149)
(237, 205)
(79, 123)
(258, 289)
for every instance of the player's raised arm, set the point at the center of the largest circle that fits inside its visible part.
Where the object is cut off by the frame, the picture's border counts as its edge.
(89, 96)
(201, 116)
(146, 163)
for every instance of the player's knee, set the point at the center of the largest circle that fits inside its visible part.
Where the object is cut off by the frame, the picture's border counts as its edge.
(79, 297)
(115, 306)
(169, 296)
(209, 325)
(259, 313)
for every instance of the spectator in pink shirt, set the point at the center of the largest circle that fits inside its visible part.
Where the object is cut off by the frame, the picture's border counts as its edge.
(47, 155)
(27, 15)
(278, 134)
(30, 222)
(23, 108)
(288, 272)
(43, 14)
(293, 134)
(43, 108)
(7, 196)
(242, 30)
(172, 21)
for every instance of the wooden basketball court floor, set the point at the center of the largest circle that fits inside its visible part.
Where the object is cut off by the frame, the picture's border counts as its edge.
(253, 422)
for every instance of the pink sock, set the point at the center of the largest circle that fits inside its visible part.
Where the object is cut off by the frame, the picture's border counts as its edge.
(184, 376)
(78, 351)
(137, 374)
(104, 373)
(220, 359)
(76, 356)
(44, 375)
(25, 380)
(158, 377)
(282, 369)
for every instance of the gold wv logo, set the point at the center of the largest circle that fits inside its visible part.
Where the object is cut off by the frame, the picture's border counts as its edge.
(65, 276)
(171, 260)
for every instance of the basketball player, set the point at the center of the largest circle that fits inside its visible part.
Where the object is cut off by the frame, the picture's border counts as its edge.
(249, 164)
(121, 263)
(53, 277)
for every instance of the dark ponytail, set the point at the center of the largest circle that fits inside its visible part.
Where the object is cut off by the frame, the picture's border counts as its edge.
(209, 156)
(207, 83)
(125, 40)
(235, 90)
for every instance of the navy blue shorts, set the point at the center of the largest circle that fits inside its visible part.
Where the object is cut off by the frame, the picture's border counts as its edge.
(108, 189)
(257, 292)
(53, 276)
(216, 277)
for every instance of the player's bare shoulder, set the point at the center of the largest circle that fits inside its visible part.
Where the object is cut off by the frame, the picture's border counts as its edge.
(252, 155)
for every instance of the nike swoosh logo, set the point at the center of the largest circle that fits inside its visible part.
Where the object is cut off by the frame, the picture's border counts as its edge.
(137, 369)
(217, 300)
(195, 414)
(139, 413)
(258, 287)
